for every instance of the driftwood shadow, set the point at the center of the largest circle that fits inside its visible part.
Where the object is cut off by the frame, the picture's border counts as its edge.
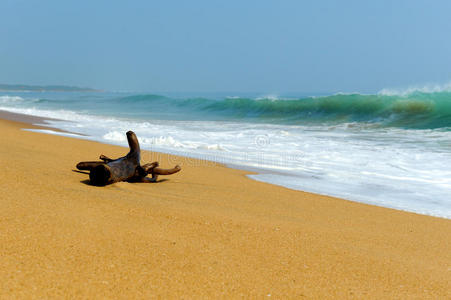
(82, 172)
(88, 182)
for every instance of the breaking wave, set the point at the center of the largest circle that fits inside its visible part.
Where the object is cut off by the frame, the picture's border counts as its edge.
(416, 109)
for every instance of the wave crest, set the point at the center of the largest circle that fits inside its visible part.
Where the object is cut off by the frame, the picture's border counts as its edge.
(10, 99)
(425, 89)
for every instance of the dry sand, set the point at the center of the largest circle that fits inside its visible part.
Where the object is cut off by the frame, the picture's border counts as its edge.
(206, 232)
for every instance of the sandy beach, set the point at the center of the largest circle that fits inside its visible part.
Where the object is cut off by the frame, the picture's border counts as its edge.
(206, 232)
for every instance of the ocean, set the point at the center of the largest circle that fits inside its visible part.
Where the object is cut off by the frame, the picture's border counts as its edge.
(391, 148)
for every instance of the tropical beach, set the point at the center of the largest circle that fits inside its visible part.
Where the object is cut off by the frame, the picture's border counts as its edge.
(208, 231)
(225, 149)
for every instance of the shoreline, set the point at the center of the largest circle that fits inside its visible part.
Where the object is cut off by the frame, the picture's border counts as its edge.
(253, 173)
(38, 123)
(208, 231)
(23, 118)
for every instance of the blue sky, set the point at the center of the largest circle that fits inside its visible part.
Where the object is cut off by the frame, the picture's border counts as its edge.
(212, 46)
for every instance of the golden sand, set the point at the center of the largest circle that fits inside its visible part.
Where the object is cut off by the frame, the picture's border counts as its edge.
(206, 232)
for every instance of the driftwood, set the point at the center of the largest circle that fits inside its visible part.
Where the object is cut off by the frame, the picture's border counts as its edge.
(126, 168)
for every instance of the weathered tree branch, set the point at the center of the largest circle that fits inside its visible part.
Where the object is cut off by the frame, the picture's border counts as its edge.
(126, 168)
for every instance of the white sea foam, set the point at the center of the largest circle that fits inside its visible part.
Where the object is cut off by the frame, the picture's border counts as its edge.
(271, 97)
(398, 168)
(49, 131)
(115, 136)
(428, 88)
(10, 99)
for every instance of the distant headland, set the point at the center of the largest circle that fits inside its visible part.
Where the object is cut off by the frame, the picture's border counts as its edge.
(44, 88)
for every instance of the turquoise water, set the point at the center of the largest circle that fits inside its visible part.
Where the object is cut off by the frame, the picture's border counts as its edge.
(418, 110)
(389, 149)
